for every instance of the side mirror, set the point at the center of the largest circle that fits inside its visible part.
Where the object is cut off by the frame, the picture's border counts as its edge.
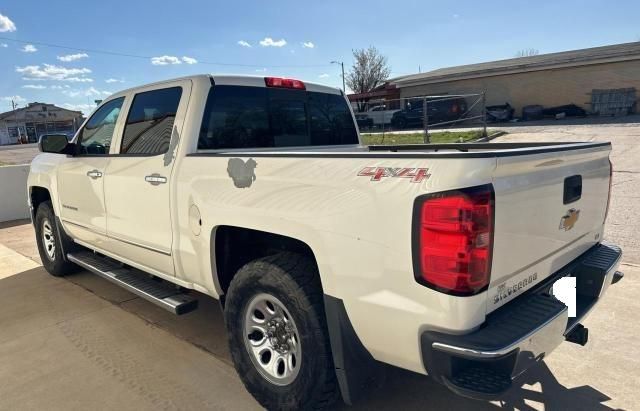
(53, 143)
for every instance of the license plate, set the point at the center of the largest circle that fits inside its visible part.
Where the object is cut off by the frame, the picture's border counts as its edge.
(565, 290)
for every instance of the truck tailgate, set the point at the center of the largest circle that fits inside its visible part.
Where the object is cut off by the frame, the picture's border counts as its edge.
(549, 208)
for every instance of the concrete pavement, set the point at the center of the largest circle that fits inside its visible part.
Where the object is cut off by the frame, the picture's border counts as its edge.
(80, 342)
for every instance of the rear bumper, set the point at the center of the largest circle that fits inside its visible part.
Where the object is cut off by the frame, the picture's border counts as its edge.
(482, 364)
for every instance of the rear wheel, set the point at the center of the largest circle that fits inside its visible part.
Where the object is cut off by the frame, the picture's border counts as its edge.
(401, 123)
(48, 240)
(277, 333)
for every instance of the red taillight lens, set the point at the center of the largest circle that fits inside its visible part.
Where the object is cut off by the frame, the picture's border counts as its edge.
(284, 83)
(606, 213)
(455, 240)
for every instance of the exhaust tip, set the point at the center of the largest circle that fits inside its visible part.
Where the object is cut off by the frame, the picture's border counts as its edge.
(579, 335)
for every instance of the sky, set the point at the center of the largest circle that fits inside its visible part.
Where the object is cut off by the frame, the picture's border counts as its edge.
(299, 39)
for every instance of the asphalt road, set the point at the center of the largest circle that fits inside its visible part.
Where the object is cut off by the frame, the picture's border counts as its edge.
(79, 342)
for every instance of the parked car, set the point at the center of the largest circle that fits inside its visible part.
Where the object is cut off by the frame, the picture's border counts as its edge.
(328, 257)
(363, 121)
(439, 110)
(499, 113)
(380, 115)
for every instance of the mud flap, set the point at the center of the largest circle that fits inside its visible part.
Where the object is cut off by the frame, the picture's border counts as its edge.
(356, 370)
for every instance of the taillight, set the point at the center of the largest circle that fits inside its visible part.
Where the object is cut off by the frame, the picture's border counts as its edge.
(453, 240)
(284, 83)
(606, 213)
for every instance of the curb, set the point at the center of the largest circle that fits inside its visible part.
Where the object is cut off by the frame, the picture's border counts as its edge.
(490, 137)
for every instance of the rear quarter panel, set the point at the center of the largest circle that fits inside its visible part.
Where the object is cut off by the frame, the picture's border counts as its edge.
(358, 229)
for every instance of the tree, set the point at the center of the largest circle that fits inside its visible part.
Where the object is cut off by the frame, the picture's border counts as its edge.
(527, 53)
(369, 70)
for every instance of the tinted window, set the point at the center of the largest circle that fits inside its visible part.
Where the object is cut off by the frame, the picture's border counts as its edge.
(288, 118)
(331, 121)
(150, 122)
(255, 117)
(96, 136)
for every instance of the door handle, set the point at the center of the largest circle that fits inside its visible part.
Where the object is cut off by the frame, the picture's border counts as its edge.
(155, 179)
(94, 174)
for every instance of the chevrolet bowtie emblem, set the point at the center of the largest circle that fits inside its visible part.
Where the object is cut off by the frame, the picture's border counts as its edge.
(569, 219)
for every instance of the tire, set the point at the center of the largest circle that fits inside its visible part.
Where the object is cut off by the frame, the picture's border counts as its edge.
(290, 281)
(48, 239)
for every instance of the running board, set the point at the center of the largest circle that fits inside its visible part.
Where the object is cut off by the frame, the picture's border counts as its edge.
(138, 282)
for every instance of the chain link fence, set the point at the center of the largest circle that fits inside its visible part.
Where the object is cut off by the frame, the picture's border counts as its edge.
(421, 114)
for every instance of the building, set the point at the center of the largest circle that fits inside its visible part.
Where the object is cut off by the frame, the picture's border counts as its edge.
(387, 95)
(549, 80)
(36, 119)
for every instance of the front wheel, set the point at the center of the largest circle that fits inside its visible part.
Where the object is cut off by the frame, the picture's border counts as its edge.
(277, 333)
(48, 240)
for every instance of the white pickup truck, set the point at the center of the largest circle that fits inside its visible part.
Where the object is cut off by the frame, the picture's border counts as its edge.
(329, 257)
(380, 115)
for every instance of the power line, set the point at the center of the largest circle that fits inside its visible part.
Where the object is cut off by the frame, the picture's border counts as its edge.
(138, 56)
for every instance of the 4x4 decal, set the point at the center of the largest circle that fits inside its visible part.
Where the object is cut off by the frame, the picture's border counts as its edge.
(417, 175)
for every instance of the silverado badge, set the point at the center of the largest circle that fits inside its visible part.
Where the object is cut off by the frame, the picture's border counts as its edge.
(569, 219)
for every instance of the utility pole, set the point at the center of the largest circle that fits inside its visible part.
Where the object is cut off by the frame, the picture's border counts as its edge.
(341, 65)
(14, 105)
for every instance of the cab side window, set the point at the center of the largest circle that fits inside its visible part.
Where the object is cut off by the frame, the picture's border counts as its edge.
(95, 138)
(150, 122)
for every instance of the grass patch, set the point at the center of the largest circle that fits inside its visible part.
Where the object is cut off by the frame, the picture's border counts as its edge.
(418, 138)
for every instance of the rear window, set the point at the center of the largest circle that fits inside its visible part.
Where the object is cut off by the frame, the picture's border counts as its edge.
(260, 117)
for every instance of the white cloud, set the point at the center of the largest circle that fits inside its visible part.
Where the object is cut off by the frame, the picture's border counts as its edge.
(85, 108)
(79, 79)
(29, 48)
(114, 80)
(34, 86)
(57, 87)
(90, 92)
(244, 43)
(165, 60)
(4, 45)
(73, 57)
(15, 99)
(53, 72)
(269, 42)
(262, 70)
(308, 45)
(323, 75)
(6, 24)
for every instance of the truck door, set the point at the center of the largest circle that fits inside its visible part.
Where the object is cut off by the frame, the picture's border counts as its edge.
(80, 180)
(137, 181)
